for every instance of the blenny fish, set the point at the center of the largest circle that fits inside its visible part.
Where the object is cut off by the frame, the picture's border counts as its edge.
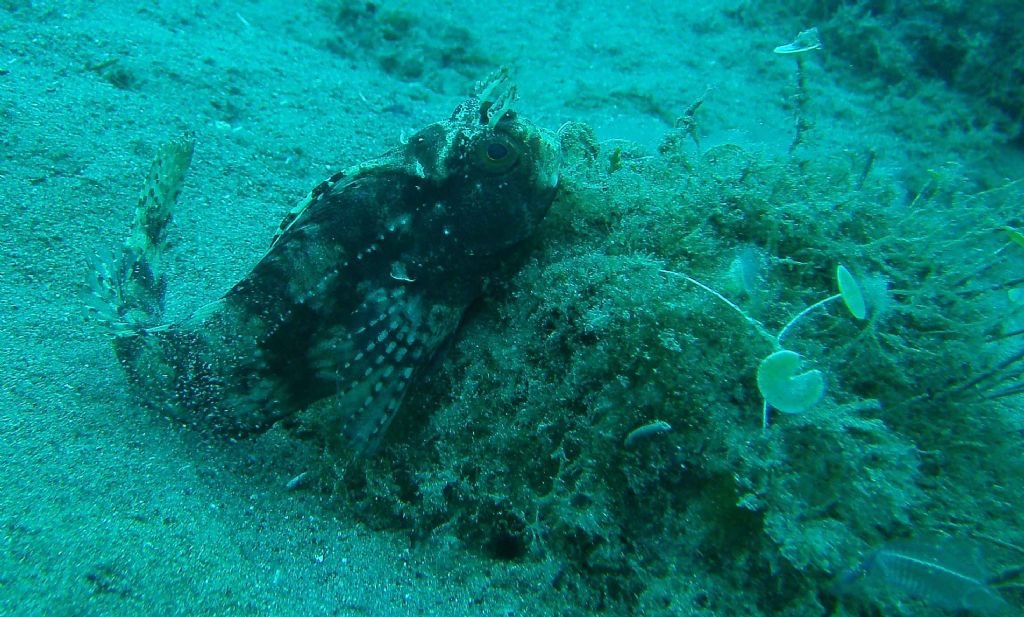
(363, 281)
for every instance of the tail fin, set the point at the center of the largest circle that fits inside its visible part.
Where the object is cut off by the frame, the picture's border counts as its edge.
(127, 290)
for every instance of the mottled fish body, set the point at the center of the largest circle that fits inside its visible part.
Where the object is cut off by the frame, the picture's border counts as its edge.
(364, 280)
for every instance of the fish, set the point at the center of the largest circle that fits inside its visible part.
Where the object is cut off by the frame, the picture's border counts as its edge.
(363, 281)
(950, 573)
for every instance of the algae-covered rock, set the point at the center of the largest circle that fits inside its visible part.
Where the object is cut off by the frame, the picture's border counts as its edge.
(513, 450)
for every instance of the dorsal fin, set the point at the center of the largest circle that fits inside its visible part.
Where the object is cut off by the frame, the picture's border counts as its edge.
(304, 203)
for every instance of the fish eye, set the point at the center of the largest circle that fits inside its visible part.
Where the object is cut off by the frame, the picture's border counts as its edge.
(497, 153)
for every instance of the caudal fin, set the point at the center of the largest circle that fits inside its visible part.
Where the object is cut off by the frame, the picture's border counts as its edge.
(127, 289)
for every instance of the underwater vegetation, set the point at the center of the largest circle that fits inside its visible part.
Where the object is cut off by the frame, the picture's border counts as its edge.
(524, 445)
(973, 47)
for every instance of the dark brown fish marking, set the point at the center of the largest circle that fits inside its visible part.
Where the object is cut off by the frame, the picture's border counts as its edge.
(363, 281)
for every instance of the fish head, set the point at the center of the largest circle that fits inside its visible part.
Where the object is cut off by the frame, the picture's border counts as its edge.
(495, 175)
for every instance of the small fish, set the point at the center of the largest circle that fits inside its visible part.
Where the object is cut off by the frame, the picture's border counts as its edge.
(945, 572)
(363, 281)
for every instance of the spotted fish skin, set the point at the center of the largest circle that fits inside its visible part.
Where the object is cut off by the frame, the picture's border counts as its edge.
(364, 280)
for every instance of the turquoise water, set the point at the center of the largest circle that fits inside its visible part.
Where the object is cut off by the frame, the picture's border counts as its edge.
(611, 429)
